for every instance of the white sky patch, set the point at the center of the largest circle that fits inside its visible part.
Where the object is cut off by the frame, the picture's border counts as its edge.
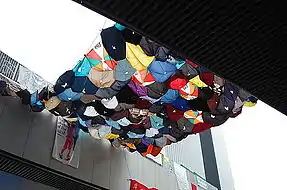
(47, 36)
(256, 143)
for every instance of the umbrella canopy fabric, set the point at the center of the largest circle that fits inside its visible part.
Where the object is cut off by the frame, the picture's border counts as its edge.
(138, 89)
(189, 91)
(161, 71)
(82, 68)
(126, 95)
(118, 85)
(173, 113)
(137, 58)
(178, 83)
(230, 91)
(143, 77)
(177, 62)
(151, 100)
(207, 78)
(120, 27)
(114, 43)
(52, 103)
(131, 36)
(70, 95)
(214, 119)
(225, 106)
(101, 79)
(110, 103)
(106, 93)
(156, 90)
(181, 104)
(99, 58)
(196, 80)
(188, 70)
(64, 81)
(156, 122)
(123, 70)
(194, 117)
(185, 125)
(84, 85)
(169, 96)
(88, 98)
(150, 48)
(63, 109)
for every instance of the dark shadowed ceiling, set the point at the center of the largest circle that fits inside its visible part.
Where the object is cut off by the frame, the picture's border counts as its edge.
(242, 41)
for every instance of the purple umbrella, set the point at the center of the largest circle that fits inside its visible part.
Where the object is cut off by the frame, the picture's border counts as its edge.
(138, 89)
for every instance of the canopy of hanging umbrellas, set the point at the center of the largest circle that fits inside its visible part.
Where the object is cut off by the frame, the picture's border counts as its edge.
(139, 94)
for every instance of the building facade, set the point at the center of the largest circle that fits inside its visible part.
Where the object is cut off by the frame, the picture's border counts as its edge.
(18, 74)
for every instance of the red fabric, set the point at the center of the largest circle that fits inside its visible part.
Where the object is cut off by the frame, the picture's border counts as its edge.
(155, 151)
(193, 187)
(171, 82)
(173, 114)
(207, 78)
(212, 102)
(191, 63)
(68, 145)
(148, 151)
(111, 63)
(138, 186)
(142, 104)
(201, 127)
(136, 126)
(93, 55)
(178, 83)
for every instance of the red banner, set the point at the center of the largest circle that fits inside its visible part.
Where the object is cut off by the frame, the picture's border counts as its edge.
(138, 186)
(193, 187)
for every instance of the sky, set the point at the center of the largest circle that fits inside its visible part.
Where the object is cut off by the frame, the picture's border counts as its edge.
(50, 36)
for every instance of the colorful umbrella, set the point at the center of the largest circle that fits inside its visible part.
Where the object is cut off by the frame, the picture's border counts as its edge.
(194, 117)
(143, 77)
(99, 58)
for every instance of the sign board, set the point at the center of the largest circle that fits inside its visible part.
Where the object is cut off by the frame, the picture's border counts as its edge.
(201, 183)
(67, 144)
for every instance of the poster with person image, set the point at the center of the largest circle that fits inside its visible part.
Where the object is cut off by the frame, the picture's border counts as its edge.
(67, 143)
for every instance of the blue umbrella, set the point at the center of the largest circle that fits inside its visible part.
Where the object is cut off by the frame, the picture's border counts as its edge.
(156, 122)
(64, 81)
(181, 104)
(161, 71)
(70, 95)
(170, 96)
(84, 85)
